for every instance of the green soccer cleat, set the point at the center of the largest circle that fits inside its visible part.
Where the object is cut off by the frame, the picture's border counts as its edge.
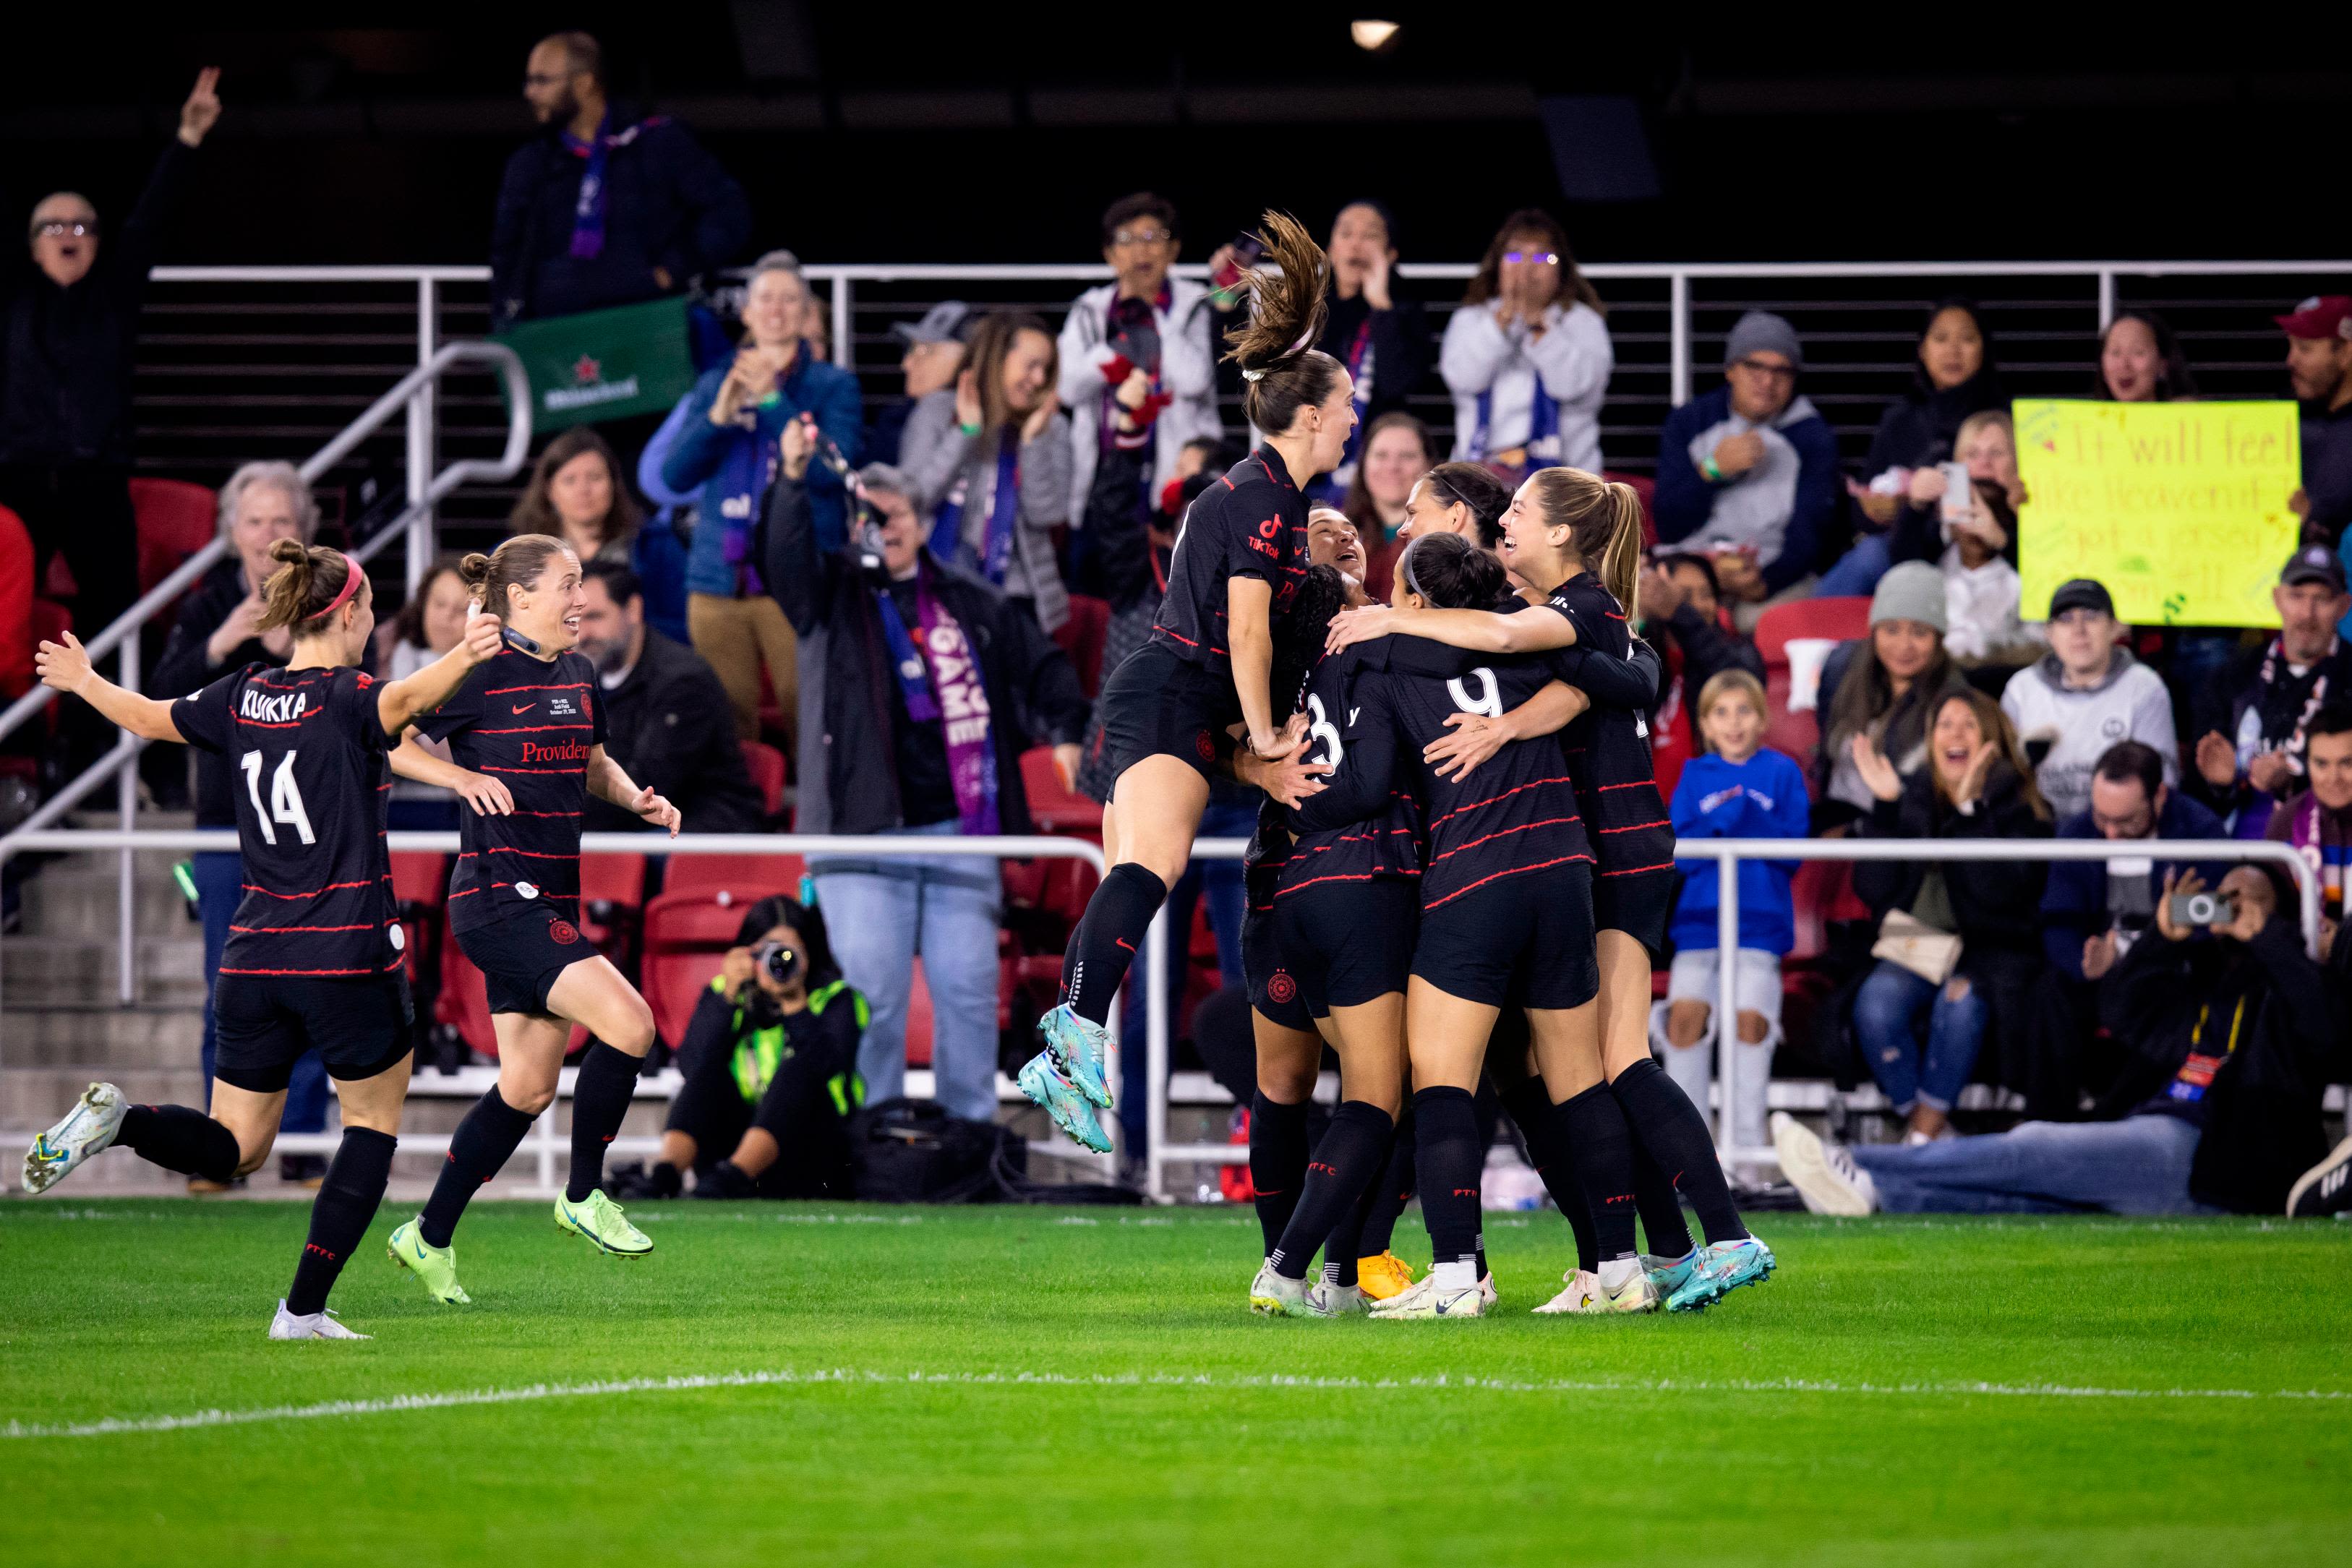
(600, 1219)
(80, 1136)
(437, 1266)
(1723, 1268)
(1271, 1295)
(1043, 1079)
(1081, 1047)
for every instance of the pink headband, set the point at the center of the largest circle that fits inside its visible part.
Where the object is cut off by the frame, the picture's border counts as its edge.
(351, 579)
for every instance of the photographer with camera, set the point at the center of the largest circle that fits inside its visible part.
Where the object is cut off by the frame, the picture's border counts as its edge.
(920, 687)
(770, 1066)
(2228, 1024)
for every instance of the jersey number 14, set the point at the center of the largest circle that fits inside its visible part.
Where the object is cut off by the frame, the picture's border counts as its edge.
(285, 799)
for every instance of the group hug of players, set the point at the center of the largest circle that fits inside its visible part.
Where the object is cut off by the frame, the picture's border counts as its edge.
(1463, 869)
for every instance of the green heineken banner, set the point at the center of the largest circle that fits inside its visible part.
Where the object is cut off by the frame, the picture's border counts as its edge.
(605, 364)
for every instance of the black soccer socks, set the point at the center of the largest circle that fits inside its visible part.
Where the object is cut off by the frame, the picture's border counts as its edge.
(1383, 1202)
(340, 1215)
(1446, 1147)
(1667, 1124)
(1593, 1127)
(1664, 1229)
(479, 1150)
(1352, 1150)
(599, 1098)
(1110, 933)
(180, 1139)
(1278, 1155)
(1530, 1106)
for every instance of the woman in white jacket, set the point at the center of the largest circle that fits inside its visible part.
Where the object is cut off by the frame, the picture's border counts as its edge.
(1528, 355)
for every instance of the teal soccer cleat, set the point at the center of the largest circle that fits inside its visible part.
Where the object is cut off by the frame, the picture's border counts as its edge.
(1081, 1047)
(1043, 1080)
(1723, 1268)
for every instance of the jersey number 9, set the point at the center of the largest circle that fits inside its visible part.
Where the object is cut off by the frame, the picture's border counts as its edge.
(1489, 700)
(285, 799)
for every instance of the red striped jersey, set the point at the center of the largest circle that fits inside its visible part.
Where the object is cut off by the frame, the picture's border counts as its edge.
(530, 724)
(1386, 843)
(1515, 814)
(1608, 746)
(1251, 523)
(306, 753)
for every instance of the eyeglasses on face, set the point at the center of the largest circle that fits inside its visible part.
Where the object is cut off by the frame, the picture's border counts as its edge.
(59, 228)
(1756, 367)
(1126, 237)
(1533, 257)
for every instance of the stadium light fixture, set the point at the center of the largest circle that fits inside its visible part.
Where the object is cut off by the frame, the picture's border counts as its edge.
(1373, 37)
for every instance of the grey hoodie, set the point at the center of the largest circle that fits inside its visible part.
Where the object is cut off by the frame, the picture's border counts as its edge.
(2130, 703)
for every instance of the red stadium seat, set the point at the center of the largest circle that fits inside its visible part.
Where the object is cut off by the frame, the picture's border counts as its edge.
(176, 519)
(687, 934)
(1055, 807)
(1647, 489)
(420, 877)
(16, 639)
(745, 877)
(1081, 637)
(1838, 620)
(611, 898)
(766, 765)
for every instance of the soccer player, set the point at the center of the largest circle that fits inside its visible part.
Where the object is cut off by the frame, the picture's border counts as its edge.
(1208, 664)
(532, 720)
(313, 958)
(1577, 540)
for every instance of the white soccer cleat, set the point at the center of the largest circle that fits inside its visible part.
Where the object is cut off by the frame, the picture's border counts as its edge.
(314, 1326)
(1487, 1294)
(1328, 1300)
(1273, 1296)
(1823, 1174)
(1581, 1298)
(1426, 1299)
(85, 1132)
(1624, 1286)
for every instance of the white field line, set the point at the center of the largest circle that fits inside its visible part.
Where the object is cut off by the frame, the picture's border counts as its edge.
(533, 1392)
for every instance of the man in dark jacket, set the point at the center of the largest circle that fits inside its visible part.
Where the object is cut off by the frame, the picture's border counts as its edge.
(2228, 1033)
(666, 715)
(608, 207)
(920, 687)
(68, 330)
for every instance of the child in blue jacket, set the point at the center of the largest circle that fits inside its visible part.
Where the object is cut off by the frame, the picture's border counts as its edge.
(1736, 789)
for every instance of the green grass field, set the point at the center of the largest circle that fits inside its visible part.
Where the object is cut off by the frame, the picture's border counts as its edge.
(1016, 1385)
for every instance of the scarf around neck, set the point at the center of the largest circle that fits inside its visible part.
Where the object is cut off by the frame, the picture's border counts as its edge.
(945, 689)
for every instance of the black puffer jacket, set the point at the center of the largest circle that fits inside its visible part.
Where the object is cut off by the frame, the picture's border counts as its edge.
(1994, 902)
(848, 777)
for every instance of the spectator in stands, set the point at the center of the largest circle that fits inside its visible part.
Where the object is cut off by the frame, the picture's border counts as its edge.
(1395, 453)
(1747, 473)
(1976, 549)
(2228, 1035)
(216, 633)
(970, 679)
(1528, 355)
(2084, 697)
(666, 715)
(1144, 334)
(2250, 753)
(68, 329)
(1740, 789)
(1373, 327)
(990, 460)
(2140, 361)
(1884, 688)
(769, 1071)
(1921, 1016)
(1953, 377)
(575, 495)
(2319, 823)
(726, 450)
(1683, 619)
(1986, 442)
(432, 623)
(933, 358)
(2319, 368)
(607, 206)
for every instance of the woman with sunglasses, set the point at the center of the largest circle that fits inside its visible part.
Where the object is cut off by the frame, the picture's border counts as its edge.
(1527, 356)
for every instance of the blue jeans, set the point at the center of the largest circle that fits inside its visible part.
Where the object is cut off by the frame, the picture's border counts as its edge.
(1219, 883)
(879, 914)
(1857, 571)
(1919, 1039)
(219, 876)
(2136, 1165)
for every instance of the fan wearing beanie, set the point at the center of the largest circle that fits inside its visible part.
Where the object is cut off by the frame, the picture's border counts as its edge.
(1886, 686)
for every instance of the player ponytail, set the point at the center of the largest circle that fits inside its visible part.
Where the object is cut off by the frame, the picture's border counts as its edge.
(518, 563)
(1446, 572)
(1322, 594)
(1282, 371)
(311, 582)
(1604, 523)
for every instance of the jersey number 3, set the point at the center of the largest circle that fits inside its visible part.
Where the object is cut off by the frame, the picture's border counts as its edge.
(285, 799)
(1324, 730)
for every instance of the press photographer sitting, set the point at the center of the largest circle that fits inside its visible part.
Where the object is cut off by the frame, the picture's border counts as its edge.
(771, 1067)
(2229, 1027)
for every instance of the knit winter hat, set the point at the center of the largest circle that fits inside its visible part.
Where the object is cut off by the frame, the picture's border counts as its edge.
(1911, 591)
(1760, 331)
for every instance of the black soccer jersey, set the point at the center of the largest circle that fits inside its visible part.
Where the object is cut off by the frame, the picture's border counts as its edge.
(1516, 813)
(530, 724)
(306, 748)
(1251, 523)
(1386, 843)
(1608, 748)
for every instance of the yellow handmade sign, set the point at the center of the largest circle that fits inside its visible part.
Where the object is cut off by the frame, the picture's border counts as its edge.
(2181, 509)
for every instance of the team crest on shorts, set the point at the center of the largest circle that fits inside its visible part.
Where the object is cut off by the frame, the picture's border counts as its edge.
(563, 933)
(1206, 747)
(1281, 988)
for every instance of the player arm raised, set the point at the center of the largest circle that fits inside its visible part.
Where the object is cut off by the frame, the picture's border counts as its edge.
(401, 703)
(66, 669)
(608, 780)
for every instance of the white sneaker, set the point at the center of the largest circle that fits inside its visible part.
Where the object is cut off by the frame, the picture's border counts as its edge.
(1632, 1291)
(1274, 1296)
(1328, 1300)
(1582, 1297)
(84, 1132)
(1823, 1174)
(1425, 1298)
(1487, 1294)
(315, 1325)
